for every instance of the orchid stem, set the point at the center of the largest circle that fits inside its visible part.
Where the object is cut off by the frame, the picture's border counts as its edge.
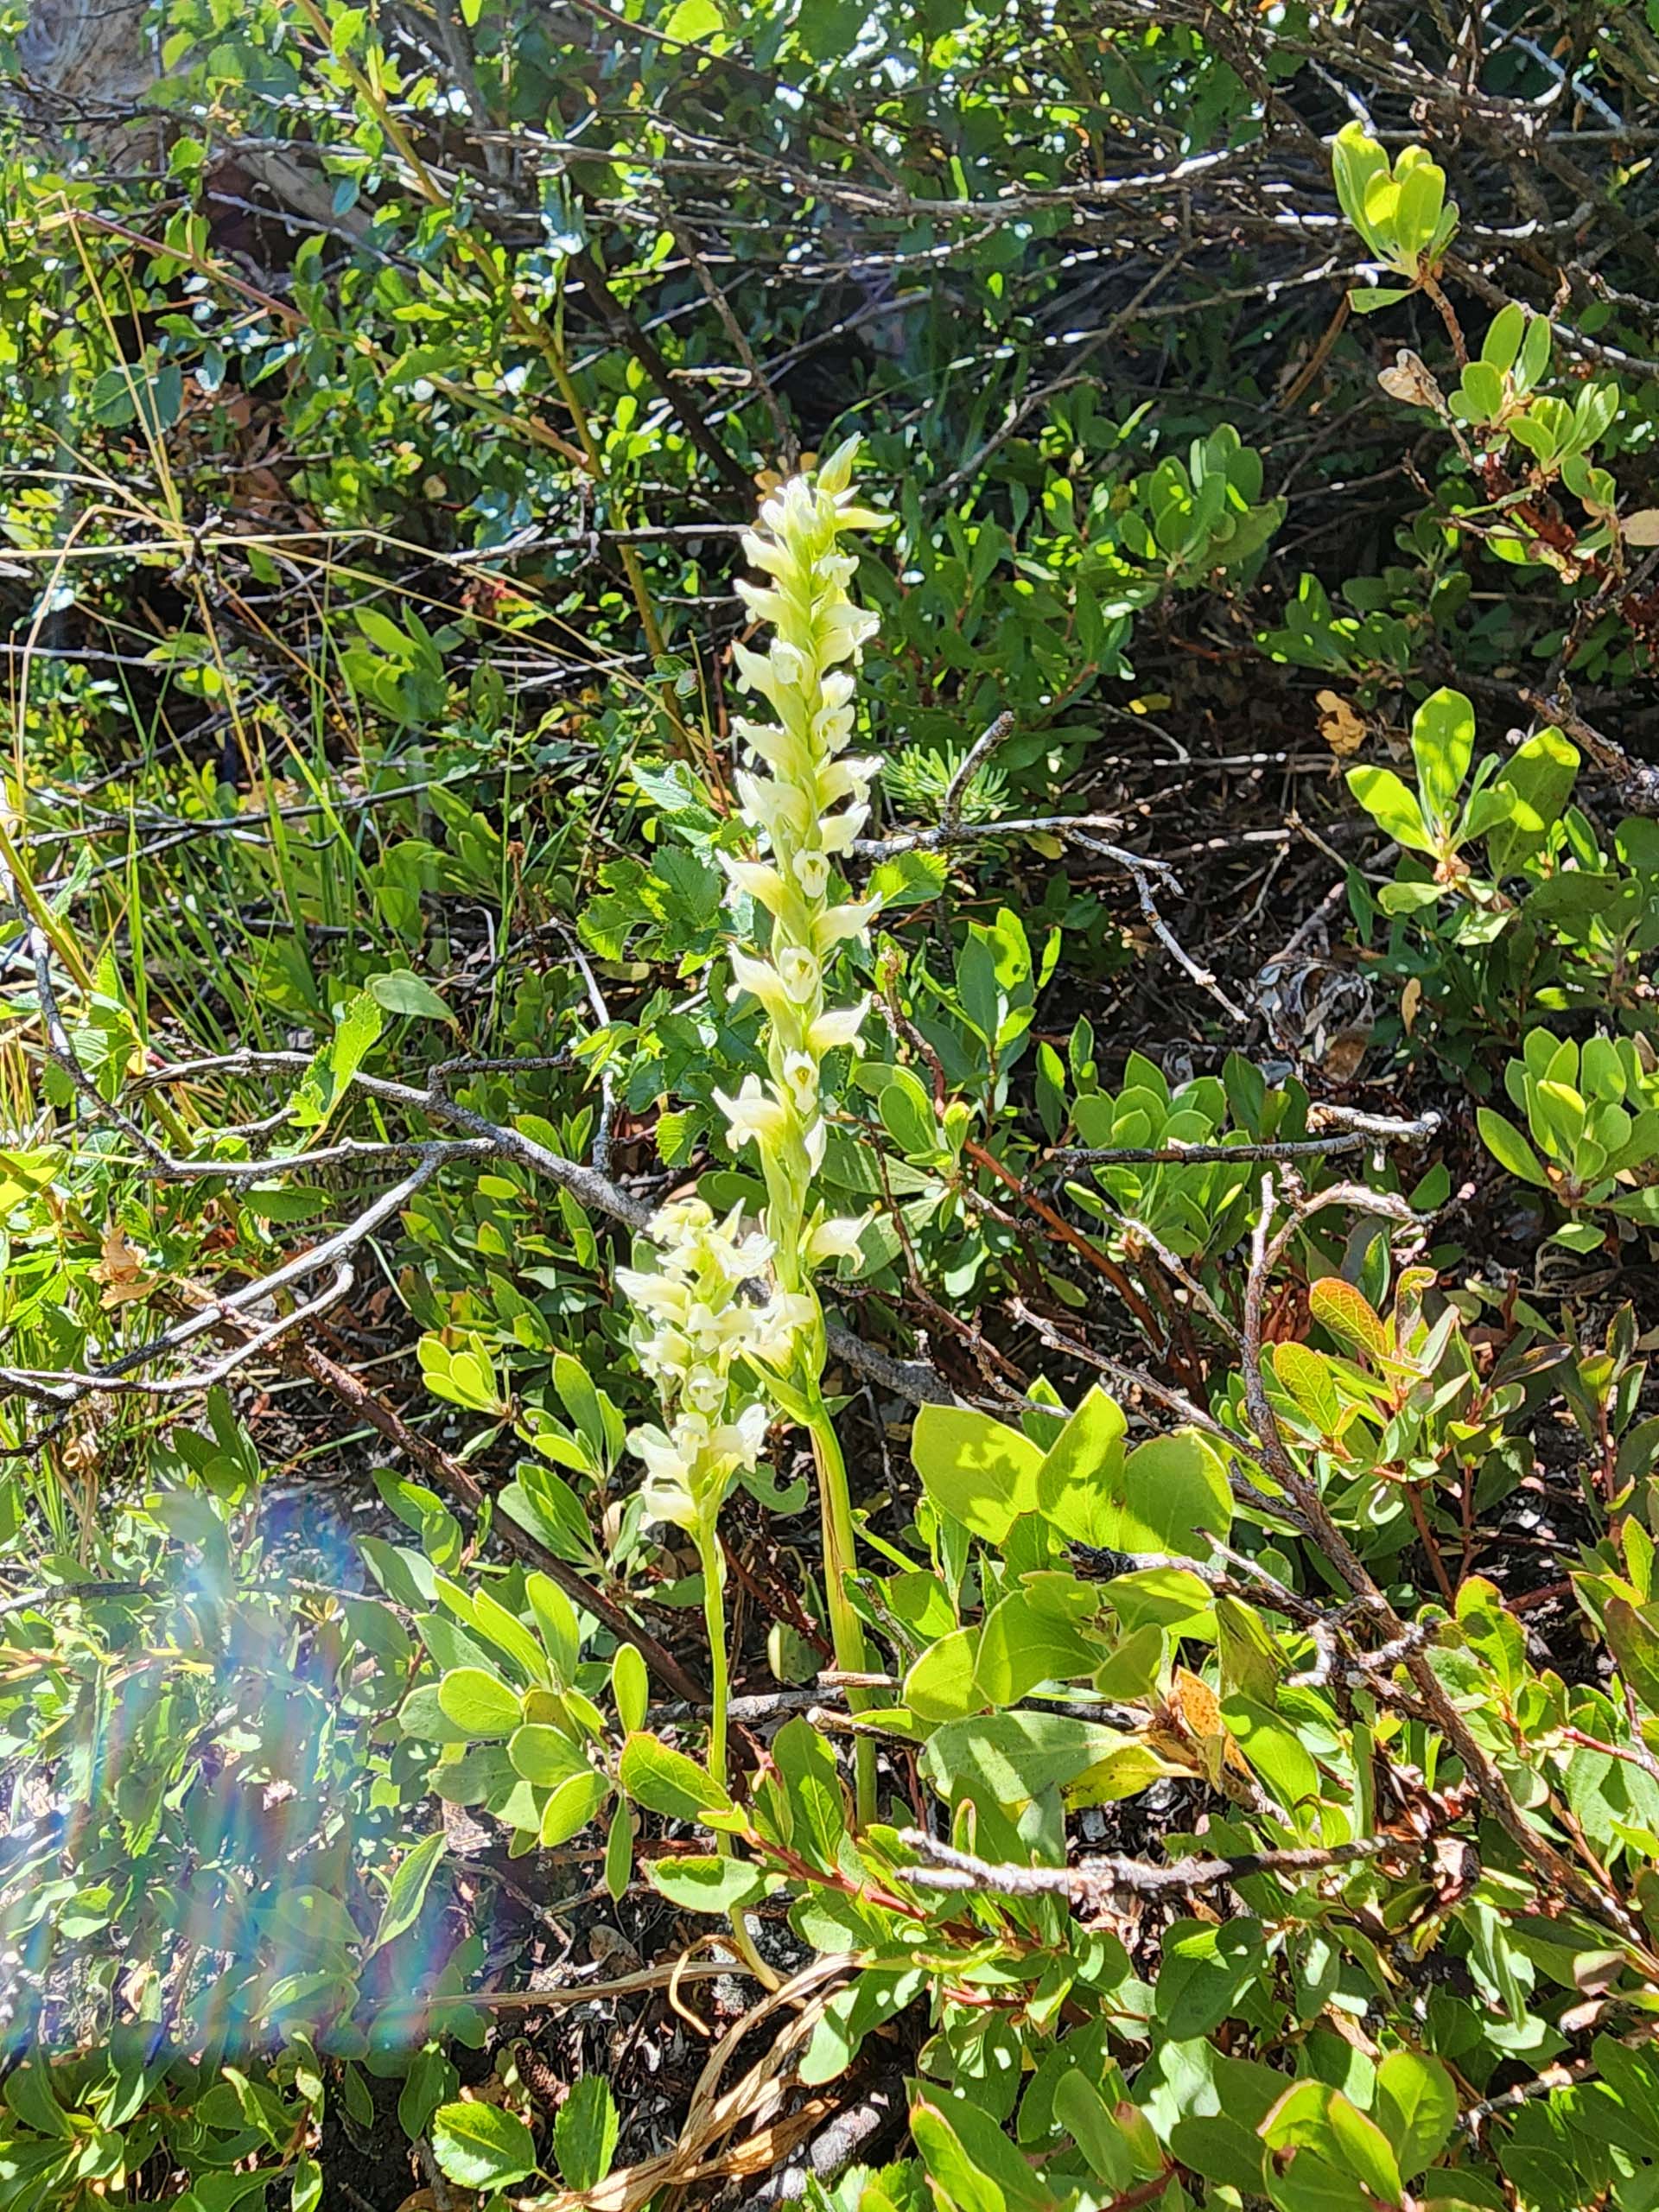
(714, 1614)
(846, 1633)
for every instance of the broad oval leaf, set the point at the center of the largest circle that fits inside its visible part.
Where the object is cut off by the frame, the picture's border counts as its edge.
(481, 1704)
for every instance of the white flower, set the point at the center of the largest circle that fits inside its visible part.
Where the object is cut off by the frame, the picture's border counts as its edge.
(762, 980)
(702, 1318)
(838, 1027)
(739, 1252)
(705, 1389)
(835, 1240)
(811, 871)
(801, 1075)
(774, 808)
(763, 884)
(677, 1219)
(849, 777)
(754, 1115)
(837, 831)
(666, 1490)
(744, 1437)
(839, 922)
(779, 748)
(800, 972)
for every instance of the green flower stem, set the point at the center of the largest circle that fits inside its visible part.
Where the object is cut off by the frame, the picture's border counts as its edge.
(845, 1632)
(714, 1614)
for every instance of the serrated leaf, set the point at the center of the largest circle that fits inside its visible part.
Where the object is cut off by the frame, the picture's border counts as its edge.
(585, 2132)
(482, 2146)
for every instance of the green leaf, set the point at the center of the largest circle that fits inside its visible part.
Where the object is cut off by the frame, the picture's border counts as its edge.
(695, 20)
(1503, 339)
(29, 2093)
(461, 1374)
(1080, 2108)
(406, 1892)
(970, 2163)
(1404, 897)
(544, 1504)
(619, 1851)
(1422, 196)
(1356, 162)
(572, 1805)
(1416, 2107)
(908, 1115)
(560, 1630)
(482, 2146)
(545, 1756)
(1634, 1641)
(977, 1469)
(481, 1704)
(1480, 393)
(1509, 1147)
(1007, 1759)
(1221, 2148)
(1392, 806)
(333, 1067)
(1539, 777)
(1308, 1376)
(1205, 1973)
(585, 2132)
(707, 1884)
(630, 1687)
(1349, 1315)
(1442, 745)
(1024, 1641)
(1073, 1481)
(355, 1035)
(402, 991)
(908, 879)
(941, 1685)
(1312, 2117)
(1175, 1489)
(666, 1781)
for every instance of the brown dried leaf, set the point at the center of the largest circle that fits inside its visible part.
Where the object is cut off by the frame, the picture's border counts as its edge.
(1343, 730)
(1198, 1706)
(121, 1270)
(1410, 381)
(1342, 1056)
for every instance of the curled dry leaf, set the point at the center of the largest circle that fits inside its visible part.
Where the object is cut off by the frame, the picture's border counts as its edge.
(121, 1269)
(1410, 381)
(1642, 527)
(1343, 730)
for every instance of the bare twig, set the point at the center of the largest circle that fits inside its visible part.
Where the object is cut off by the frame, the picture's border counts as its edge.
(1373, 1131)
(1094, 1881)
